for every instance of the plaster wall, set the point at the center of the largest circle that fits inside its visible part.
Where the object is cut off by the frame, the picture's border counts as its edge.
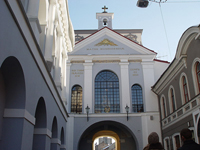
(14, 44)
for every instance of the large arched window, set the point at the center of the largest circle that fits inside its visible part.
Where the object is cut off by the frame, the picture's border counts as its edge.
(198, 74)
(76, 99)
(107, 93)
(185, 89)
(137, 98)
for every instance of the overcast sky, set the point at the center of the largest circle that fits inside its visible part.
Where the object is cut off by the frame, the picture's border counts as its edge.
(178, 15)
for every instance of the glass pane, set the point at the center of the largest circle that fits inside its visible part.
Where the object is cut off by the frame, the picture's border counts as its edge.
(108, 84)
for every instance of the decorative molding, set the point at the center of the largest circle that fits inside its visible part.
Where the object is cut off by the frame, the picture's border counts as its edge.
(166, 123)
(43, 131)
(77, 61)
(63, 146)
(56, 141)
(19, 113)
(106, 42)
(106, 61)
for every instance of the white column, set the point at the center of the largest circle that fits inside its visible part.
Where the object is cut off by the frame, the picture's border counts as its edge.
(150, 99)
(58, 64)
(88, 86)
(32, 13)
(50, 33)
(68, 74)
(125, 91)
(64, 77)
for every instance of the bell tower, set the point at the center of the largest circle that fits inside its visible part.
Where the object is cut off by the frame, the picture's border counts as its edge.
(104, 18)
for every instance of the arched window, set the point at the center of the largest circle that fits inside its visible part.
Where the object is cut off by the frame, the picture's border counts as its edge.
(198, 74)
(76, 99)
(107, 93)
(185, 89)
(172, 98)
(137, 98)
(163, 107)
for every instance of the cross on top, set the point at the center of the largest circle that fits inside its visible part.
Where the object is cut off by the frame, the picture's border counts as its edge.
(104, 9)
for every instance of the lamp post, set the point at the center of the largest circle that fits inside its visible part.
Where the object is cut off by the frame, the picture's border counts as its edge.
(127, 110)
(145, 3)
(87, 110)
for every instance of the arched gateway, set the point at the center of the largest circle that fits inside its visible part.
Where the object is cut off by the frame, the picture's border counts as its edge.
(125, 137)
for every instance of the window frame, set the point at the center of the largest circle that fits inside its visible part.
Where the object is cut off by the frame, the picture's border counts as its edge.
(78, 100)
(163, 107)
(172, 101)
(106, 92)
(140, 93)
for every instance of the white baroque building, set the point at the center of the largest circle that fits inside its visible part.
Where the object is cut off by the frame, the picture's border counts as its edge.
(106, 72)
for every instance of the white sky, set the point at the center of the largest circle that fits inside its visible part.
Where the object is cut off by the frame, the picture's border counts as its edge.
(178, 16)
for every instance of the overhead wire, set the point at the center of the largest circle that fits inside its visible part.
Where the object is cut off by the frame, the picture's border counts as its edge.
(165, 31)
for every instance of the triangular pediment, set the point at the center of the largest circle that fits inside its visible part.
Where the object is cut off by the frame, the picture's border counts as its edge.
(108, 42)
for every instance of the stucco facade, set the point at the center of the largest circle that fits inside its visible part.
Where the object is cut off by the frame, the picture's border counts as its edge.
(133, 64)
(33, 114)
(181, 77)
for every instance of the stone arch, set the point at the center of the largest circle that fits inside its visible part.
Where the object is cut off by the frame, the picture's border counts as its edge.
(54, 137)
(185, 41)
(126, 136)
(12, 101)
(62, 139)
(41, 133)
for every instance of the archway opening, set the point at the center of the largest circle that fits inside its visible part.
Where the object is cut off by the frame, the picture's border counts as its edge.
(123, 136)
(106, 139)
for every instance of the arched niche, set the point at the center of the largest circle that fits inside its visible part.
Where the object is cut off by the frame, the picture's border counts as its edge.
(40, 129)
(12, 100)
(62, 139)
(54, 131)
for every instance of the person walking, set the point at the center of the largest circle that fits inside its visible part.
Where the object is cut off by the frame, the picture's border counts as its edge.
(153, 142)
(188, 143)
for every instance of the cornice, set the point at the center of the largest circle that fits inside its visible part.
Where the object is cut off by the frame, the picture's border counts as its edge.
(170, 74)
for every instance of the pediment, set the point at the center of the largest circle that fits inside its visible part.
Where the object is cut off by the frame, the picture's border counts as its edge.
(108, 42)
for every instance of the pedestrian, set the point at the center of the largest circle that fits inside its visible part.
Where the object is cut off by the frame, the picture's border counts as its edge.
(188, 143)
(153, 142)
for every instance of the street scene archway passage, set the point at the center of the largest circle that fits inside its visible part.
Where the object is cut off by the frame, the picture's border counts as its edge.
(123, 137)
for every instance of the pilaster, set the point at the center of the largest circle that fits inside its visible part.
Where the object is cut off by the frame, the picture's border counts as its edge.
(125, 91)
(88, 86)
(68, 74)
(150, 99)
(50, 35)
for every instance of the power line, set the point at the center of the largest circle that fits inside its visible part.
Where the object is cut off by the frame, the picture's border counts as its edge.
(165, 31)
(183, 2)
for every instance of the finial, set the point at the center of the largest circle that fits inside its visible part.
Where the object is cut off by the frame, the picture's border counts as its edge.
(104, 9)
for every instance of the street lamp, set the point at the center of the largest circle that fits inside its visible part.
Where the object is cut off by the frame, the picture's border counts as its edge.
(87, 110)
(145, 3)
(127, 110)
(142, 3)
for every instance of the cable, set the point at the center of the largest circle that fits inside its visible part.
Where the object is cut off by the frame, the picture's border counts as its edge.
(165, 32)
(183, 2)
